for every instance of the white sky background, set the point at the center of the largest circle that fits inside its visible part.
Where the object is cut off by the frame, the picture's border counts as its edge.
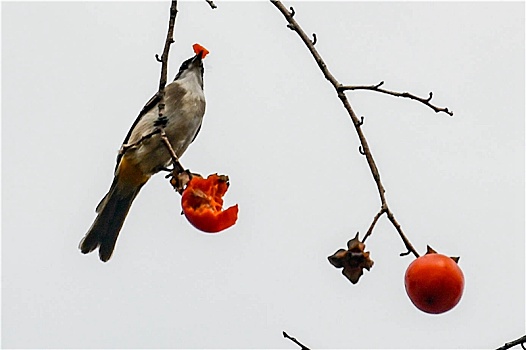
(74, 77)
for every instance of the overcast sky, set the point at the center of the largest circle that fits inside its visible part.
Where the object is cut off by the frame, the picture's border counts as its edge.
(75, 76)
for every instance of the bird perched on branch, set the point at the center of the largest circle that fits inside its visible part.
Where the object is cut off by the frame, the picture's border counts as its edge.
(142, 156)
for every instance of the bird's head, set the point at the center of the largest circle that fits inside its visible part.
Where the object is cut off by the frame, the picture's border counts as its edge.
(193, 67)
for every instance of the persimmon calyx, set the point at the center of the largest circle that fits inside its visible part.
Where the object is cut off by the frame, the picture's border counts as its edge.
(353, 260)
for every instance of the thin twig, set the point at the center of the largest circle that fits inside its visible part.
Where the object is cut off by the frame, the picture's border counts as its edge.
(164, 57)
(404, 238)
(179, 175)
(361, 120)
(295, 341)
(178, 168)
(377, 88)
(314, 39)
(365, 149)
(211, 3)
(370, 230)
(521, 341)
(126, 147)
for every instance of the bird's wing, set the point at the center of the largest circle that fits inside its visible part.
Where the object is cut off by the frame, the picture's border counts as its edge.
(149, 105)
(197, 132)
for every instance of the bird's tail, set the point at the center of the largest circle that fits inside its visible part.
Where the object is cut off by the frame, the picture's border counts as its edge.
(112, 211)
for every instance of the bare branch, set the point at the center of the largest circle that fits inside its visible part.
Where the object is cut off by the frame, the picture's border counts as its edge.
(179, 175)
(364, 147)
(212, 5)
(162, 81)
(178, 168)
(323, 67)
(126, 147)
(303, 347)
(164, 58)
(292, 24)
(395, 223)
(425, 101)
(370, 230)
(521, 341)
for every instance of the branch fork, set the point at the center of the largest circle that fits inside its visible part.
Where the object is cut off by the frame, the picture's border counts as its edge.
(364, 148)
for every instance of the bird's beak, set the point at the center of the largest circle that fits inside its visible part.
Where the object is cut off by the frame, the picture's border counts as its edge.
(197, 60)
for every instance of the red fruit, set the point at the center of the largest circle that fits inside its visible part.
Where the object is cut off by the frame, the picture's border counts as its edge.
(200, 49)
(434, 283)
(202, 203)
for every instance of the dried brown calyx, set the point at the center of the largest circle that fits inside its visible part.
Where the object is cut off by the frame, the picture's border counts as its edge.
(353, 260)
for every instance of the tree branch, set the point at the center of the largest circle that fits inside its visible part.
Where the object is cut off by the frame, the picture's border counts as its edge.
(126, 147)
(180, 176)
(164, 57)
(303, 347)
(521, 341)
(376, 217)
(365, 149)
(425, 101)
(178, 168)
(160, 93)
(212, 5)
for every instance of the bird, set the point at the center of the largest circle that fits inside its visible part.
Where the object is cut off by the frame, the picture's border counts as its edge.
(145, 156)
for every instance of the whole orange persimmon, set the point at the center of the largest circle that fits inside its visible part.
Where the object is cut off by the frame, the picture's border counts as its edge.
(434, 282)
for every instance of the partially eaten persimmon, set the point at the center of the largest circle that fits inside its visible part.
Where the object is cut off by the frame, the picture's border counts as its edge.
(198, 49)
(202, 203)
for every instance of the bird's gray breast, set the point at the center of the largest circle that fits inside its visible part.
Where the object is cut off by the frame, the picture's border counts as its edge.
(184, 113)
